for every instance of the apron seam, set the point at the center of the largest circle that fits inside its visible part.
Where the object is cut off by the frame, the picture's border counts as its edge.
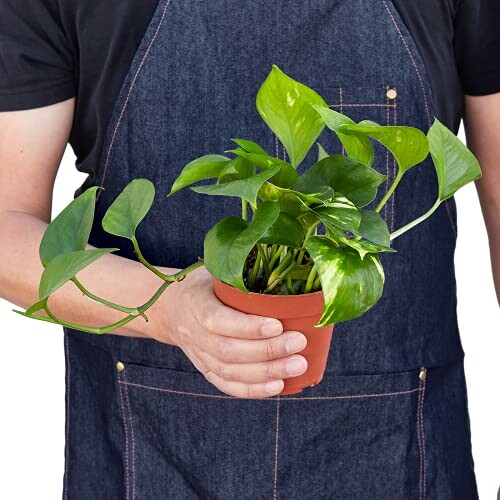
(287, 398)
(276, 449)
(421, 442)
(68, 411)
(131, 424)
(129, 94)
(125, 428)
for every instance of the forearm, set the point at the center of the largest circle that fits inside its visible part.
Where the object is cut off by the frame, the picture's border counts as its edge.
(491, 212)
(114, 278)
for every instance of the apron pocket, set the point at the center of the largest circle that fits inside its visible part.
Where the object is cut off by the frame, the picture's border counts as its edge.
(358, 436)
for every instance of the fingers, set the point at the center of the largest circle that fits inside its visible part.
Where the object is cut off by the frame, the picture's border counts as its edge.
(233, 350)
(252, 373)
(242, 390)
(222, 320)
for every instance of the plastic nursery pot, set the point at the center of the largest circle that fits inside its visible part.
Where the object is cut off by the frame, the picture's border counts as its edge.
(296, 312)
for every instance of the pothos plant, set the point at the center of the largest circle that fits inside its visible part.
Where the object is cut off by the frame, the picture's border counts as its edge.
(297, 234)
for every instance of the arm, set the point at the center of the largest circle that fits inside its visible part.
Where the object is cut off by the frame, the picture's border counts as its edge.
(482, 126)
(241, 354)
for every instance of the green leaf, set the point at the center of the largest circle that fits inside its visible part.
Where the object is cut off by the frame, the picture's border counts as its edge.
(70, 230)
(65, 266)
(340, 213)
(286, 107)
(37, 306)
(130, 207)
(286, 176)
(350, 177)
(250, 146)
(363, 247)
(409, 145)
(206, 167)
(286, 230)
(358, 147)
(321, 152)
(350, 285)
(246, 189)
(455, 164)
(229, 242)
(237, 168)
(374, 228)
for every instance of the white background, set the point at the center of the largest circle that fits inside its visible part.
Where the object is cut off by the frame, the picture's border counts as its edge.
(32, 369)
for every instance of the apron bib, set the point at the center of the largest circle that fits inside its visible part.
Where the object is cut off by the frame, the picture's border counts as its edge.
(389, 420)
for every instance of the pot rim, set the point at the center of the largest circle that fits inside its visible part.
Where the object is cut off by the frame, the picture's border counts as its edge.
(269, 296)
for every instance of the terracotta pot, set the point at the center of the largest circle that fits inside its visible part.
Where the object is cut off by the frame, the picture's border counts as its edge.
(296, 312)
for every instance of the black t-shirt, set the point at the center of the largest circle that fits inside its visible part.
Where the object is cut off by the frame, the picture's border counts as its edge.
(51, 50)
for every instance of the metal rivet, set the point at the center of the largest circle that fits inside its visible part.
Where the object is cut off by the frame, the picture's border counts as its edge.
(120, 366)
(422, 374)
(392, 94)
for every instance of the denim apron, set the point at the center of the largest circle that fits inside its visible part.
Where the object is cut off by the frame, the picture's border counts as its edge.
(389, 420)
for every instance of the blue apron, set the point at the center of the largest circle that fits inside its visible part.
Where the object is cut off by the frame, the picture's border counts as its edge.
(389, 420)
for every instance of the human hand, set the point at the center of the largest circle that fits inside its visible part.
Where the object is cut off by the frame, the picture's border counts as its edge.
(243, 355)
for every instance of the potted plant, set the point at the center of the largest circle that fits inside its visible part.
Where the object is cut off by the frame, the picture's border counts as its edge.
(305, 248)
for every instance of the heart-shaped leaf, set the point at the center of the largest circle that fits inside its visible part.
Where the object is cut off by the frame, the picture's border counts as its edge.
(237, 168)
(359, 146)
(340, 213)
(374, 228)
(344, 175)
(206, 167)
(250, 146)
(129, 208)
(246, 189)
(286, 176)
(350, 285)
(286, 107)
(363, 247)
(286, 230)
(229, 242)
(408, 145)
(70, 230)
(65, 266)
(455, 164)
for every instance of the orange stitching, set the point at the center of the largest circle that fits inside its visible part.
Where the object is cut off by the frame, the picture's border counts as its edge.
(125, 429)
(387, 122)
(276, 449)
(68, 404)
(359, 105)
(394, 167)
(285, 398)
(417, 71)
(131, 88)
(421, 440)
(127, 401)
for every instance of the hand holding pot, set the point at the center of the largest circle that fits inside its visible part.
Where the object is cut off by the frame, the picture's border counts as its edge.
(243, 355)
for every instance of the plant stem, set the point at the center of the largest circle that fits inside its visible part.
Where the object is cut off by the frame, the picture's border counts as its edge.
(389, 192)
(310, 231)
(244, 211)
(145, 263)
(414, 223)
(276, 256)
(263, 256)
(279, 268)
(310, 280)
(280, 278)
(255, 270)
(130, 310)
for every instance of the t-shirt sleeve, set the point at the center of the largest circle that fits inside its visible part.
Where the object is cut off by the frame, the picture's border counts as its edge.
(36, 62)
(477, 45)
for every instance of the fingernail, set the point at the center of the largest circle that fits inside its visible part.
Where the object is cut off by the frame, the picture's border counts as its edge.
(274, 387)
(296, 366)
(295, 343)
(271, 328)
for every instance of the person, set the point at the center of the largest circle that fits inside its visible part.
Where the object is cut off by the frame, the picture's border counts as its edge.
(187, 405)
